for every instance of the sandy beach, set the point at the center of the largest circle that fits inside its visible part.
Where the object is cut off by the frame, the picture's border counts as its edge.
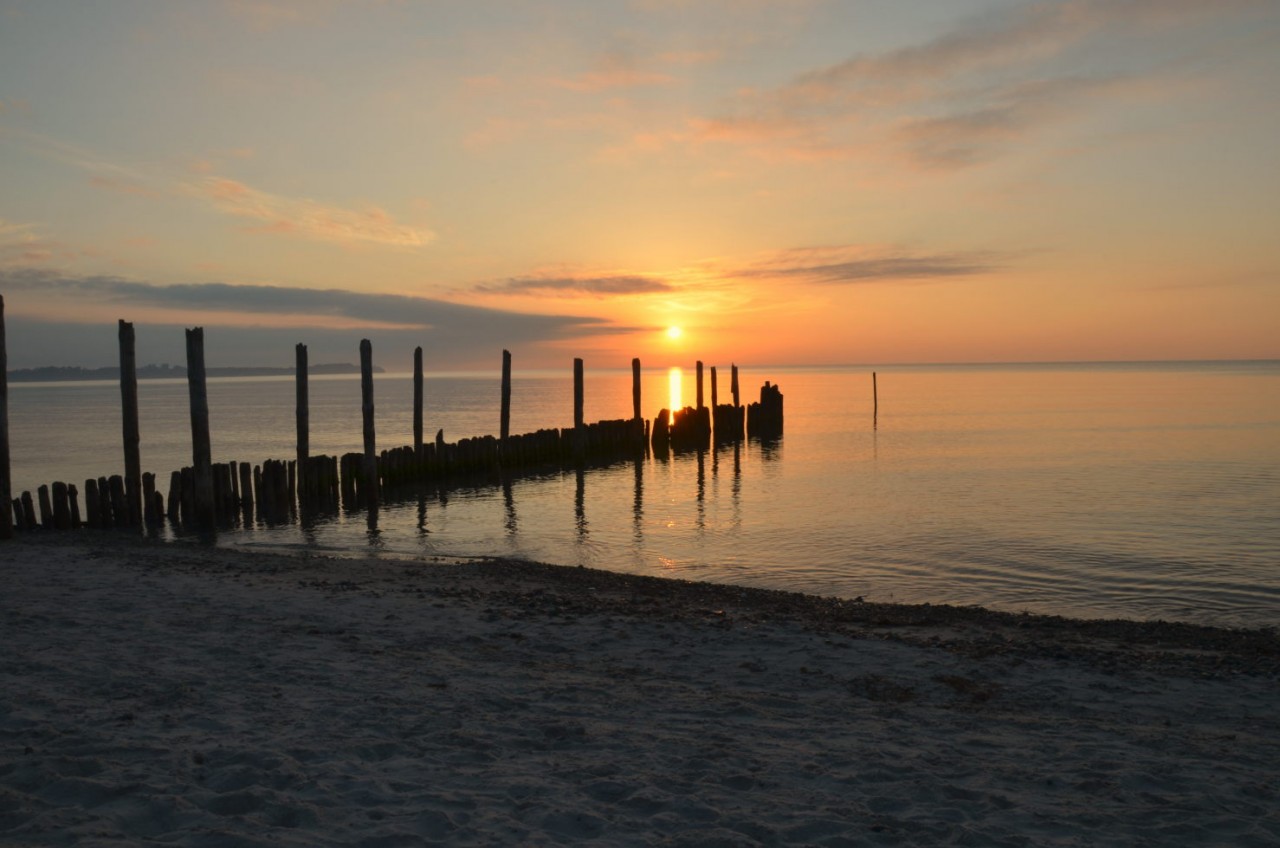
(162, 693)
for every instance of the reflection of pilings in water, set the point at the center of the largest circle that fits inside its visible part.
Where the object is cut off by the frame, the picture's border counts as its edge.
(736, 489)
(580, 503)
(637, 507)
(509, 507)
(702, 490)
(422, 513)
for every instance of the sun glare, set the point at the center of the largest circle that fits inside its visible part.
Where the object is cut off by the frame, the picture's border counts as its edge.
(675, 389)
(674, 333)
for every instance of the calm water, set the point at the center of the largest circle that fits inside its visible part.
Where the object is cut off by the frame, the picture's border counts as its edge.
(1144, 491)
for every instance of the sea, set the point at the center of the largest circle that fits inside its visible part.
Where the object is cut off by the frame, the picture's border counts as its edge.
(1096, 490)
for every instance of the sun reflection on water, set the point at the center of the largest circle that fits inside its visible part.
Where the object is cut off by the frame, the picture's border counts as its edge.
(675, 392)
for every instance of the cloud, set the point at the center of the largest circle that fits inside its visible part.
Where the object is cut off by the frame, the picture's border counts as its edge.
(613, 71)
(960, 98)
(600, 286)
(307, 218)
(847, 265)
(272, 315)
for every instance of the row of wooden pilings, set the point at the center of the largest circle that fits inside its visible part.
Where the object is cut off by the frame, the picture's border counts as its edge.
(207, 494)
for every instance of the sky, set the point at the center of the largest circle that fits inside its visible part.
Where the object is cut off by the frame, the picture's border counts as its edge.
(785, 181)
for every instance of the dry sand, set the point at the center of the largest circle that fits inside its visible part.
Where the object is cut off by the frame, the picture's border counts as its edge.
(189, 696)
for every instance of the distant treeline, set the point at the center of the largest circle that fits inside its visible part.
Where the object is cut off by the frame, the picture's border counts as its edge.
(56, 373)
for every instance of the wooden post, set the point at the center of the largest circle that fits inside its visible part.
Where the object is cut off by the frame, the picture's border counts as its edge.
(302, 415)
(6, 484)
(505, 423)
(733, 385)
(715, 397)
(201, 452)
(129, 419)
(875, 402)
(635, 390)
(417, 404)
(366, 407)
(699, 369)
(577, 394)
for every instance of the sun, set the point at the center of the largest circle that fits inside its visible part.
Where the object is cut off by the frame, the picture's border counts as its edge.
(674, 333)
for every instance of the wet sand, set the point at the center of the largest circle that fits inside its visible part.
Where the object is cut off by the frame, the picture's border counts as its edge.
(195, 696)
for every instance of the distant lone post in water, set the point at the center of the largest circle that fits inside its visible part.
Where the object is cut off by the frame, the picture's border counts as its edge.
(875, 402)
(302, 416)
(417, 404)
(366, 407)
(201, 454)
(129, 424)
(505, 421)
(635, 390)
(6, 485)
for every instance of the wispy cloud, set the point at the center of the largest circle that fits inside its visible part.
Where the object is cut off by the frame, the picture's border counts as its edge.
(598, 286)
(615, 70)
(847, 265)
(307, 218)
(962, 97)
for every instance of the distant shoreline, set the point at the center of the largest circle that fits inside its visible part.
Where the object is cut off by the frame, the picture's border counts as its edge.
(61, 374)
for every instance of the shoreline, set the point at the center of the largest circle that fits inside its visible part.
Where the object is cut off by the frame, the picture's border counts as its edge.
(190, 694)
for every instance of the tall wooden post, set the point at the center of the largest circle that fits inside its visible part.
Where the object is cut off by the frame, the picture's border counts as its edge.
(715, 396)
(6, 485)
(700, 404)
(577, 394)
(417, 403)
(201, 452)
(129, 420)
(635, 390)
(733, 385)
(366, 407)
(505, 423)
(302, 417)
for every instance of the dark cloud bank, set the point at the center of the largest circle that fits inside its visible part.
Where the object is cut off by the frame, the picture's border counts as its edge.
(451, 334)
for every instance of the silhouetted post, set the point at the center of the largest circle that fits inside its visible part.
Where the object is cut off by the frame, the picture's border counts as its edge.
(715, 397)
(302, 415)
(635, 390)
(733, 385)
(201, 453)
(6, 484)
(417, 404)
(875, 401)
(578, 426)
(505, 429)
(366, 406)
(129, 408)
(699, 370)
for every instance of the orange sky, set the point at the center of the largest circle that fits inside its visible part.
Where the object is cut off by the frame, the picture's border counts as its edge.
(793, 181)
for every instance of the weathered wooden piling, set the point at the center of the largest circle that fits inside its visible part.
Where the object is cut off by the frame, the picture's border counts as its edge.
(579, 441)
(46, 508)
(635, 390)
(417, 403)
(875, 402)
(699, 382)
(6, 483)
(61, 507)
(733, 385)
(715, 395)
(151, 511)
(504, 426)
(129, 424)
(303, 411)
(29, 521)
(764, 419)
(73, 502)
(202, 509)
(366, 407)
